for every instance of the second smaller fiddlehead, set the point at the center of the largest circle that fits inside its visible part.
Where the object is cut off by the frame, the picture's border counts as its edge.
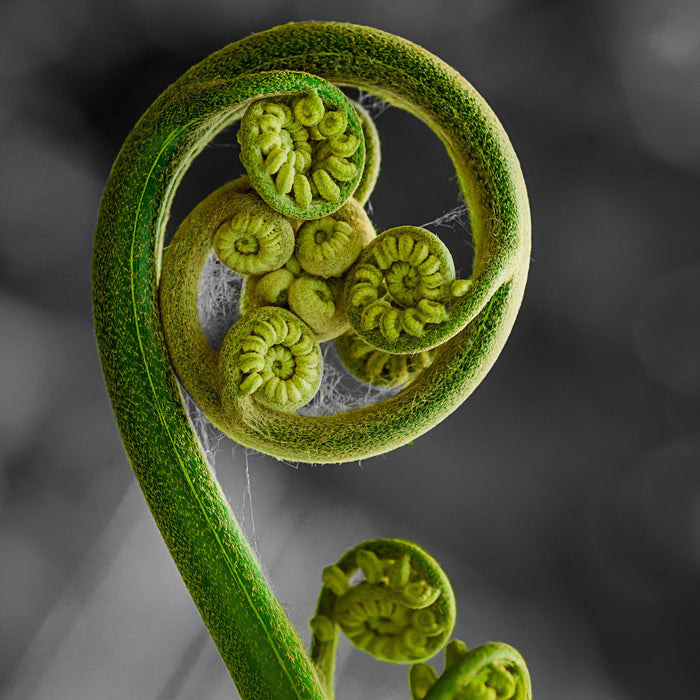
(402, 611)
(492, 671)
(392, 600)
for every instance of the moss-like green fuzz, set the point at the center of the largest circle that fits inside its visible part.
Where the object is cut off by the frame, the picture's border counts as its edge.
(258, 644)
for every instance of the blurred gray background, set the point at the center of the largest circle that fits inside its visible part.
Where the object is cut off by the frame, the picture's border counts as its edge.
(563, 498)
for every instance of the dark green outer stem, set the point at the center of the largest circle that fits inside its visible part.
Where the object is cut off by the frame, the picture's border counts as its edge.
(256, 640)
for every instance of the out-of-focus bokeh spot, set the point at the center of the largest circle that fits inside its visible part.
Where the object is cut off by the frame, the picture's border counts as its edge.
(37, 33)
(31, 361)
(657, 52)
(47, 199)
(667, 330)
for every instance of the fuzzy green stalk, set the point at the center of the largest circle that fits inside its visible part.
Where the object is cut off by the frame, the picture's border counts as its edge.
(255, 638)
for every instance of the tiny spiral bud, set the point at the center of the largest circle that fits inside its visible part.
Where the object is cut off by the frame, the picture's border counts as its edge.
(271, 356)
(327, 247)
(344, 145)
(411, 272)
(300, 178)
(322, 627)
(336, 580)
(333, 123)
(419, 594)
(255, 239)
(371, 566)
(377, 367)
(425, 622)
(320, 304)
(308, 109)
(421, 679)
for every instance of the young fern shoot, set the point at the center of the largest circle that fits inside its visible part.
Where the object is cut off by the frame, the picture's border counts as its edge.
(295, 227)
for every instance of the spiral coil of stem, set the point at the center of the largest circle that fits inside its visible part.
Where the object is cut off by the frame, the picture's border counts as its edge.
(405, 307)
(134, 316)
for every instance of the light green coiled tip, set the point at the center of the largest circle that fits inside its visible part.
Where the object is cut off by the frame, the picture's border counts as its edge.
(304, 153)
(272, 357)
(493, 671)
(256, 239)
(396, 293)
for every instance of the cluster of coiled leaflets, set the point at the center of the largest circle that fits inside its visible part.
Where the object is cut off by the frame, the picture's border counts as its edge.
(393, 600)
(295, 227)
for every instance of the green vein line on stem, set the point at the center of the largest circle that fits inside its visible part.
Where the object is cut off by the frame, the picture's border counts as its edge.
(173, 134)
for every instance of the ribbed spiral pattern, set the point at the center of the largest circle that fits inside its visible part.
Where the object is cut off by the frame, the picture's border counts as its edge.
(256, 239)
(378, 367)
(272, 357)
(396, 299)
(304, 153)
(400, 287)
(402, 611)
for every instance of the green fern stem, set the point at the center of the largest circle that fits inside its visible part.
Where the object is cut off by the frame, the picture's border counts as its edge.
(255, 638)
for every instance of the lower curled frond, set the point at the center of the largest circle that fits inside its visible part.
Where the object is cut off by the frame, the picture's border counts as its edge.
(493, 671)
(402, 611)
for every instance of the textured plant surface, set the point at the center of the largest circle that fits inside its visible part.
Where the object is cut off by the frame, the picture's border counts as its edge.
(315, 270)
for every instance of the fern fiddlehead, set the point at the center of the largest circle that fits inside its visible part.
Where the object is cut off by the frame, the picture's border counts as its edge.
(406, 300)
(290, 69)
(305, 153)
(492, 671)
(403, 611)
(272, 356)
